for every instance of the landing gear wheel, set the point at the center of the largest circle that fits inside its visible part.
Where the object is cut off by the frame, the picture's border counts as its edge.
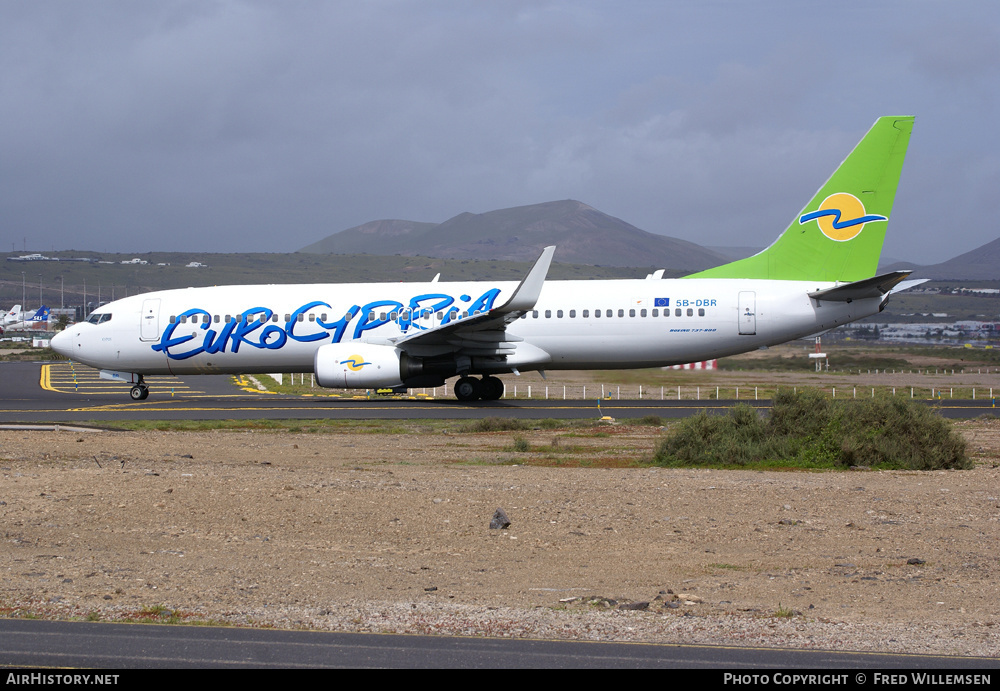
(467, 389)
(492, 388)
(139, 392)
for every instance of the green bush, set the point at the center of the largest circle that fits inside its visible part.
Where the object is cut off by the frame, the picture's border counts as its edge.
(520, 445)
(810, 430)
(495, 424)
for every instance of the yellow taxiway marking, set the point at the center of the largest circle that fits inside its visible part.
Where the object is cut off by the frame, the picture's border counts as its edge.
(65, 378)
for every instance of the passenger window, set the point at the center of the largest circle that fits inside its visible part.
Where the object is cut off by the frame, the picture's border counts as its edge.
(173, 319)
(631, 313)
(690, 312)
(597, 313)
(586, 313)
(642, 313)
(608, 314)
(621, 313)
(656, 313)
(677, 312)
(312, 317)
(701, 311)
(534, 314)
(572, 314)
(548, 314)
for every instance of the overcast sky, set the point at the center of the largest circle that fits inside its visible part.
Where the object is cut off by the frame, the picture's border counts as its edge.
(265, 126)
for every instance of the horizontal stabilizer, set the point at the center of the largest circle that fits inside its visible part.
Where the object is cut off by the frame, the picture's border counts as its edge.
(874, 287)
(906, 285)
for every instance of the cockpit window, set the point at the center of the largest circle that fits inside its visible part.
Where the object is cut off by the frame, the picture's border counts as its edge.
(99, 318)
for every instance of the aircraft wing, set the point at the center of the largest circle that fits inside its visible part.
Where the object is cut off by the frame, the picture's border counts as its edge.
(485, 334)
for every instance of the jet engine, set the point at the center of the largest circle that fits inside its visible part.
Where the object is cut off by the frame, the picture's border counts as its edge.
(358, 366)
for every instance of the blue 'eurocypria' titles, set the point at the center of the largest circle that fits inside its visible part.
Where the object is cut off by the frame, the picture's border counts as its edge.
(254, 328)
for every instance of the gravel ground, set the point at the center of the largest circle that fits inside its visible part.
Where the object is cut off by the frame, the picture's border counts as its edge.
(390, 533)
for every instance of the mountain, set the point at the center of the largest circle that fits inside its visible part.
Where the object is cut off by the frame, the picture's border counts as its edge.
(981, 264)
(369, 237)
(582, 234)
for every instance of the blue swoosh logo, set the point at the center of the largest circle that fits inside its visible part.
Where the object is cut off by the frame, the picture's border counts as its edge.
(837, 223)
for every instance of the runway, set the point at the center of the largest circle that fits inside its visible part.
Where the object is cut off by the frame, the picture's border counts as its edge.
(32, 392)
(98, 646)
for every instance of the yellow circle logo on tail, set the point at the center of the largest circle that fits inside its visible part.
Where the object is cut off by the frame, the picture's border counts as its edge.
(841, 217)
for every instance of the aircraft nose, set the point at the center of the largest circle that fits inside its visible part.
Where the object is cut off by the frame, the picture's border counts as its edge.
(62, 343)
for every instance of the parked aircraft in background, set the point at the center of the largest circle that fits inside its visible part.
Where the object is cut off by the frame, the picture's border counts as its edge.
(820, 273)
(30, 320)
(14, 315)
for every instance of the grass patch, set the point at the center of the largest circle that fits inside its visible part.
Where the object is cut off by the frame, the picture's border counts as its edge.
(495, 424)
(157, 614)
(648, 421)
(809, 430)
(511, 424)
(296, 426)
(784, 612)
(520, 445)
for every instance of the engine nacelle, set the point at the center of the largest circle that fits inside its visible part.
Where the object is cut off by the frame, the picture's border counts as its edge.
(358, 366)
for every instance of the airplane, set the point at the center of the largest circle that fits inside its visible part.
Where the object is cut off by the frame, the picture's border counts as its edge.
(14, 315)
(820, 273)
(30, 320)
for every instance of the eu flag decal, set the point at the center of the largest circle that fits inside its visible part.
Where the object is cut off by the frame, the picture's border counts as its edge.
(661, 302)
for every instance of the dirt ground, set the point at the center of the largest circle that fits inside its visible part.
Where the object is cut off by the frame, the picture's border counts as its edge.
(391, 532)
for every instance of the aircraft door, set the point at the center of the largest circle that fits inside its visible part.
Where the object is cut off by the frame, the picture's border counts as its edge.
(748, 313)
(149, 326)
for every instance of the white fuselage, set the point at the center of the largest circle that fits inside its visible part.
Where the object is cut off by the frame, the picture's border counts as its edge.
(278, 328)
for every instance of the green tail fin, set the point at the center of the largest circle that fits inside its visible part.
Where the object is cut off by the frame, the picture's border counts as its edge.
(838, 235)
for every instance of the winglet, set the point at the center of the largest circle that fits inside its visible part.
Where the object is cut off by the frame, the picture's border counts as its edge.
(526, 294)
(523, 299)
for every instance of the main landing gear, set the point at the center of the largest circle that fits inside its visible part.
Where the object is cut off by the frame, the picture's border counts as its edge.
(472, 389)
(139, 392)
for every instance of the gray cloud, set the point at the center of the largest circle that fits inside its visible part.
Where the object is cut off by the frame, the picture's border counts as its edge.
(266, 126)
